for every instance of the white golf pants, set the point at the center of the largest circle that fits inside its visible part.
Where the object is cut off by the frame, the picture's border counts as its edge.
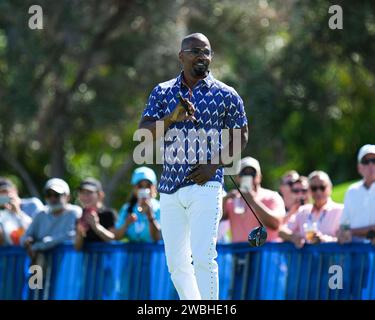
(189, 224)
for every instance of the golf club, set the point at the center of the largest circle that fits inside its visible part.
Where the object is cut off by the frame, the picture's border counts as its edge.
(258, 236)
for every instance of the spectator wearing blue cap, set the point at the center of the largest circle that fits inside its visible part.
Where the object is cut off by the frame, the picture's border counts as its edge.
(139, 218)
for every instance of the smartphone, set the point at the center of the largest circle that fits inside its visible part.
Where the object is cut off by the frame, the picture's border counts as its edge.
(144, 194)
(246, 183)
(4, 200)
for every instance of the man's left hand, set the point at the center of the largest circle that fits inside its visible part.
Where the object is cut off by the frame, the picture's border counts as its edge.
(203, 173)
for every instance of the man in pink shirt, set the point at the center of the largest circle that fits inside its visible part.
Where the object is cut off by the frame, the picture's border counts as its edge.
(267, 204)
(317, 222)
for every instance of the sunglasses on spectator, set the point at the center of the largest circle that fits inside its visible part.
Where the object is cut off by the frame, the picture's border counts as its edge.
(52, 194)
(368, 161)
(299, 190)
(289, 181)
(248, 172)
(199, 51)
(316, 188)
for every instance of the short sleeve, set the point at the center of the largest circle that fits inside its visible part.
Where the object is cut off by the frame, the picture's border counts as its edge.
(278, 209)
(157, 214)
(275, 203)
(121, 216)
(235, 117)
(108, 218)
(153, 107)
(228, 206)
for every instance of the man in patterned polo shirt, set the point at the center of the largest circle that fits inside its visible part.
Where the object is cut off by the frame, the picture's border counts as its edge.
(190, 187)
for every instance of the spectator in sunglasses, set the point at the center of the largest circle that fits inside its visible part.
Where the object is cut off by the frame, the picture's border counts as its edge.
(317, 222)
(285, 188)
(97, 223)
(300, 195)
(267, 204)
(56, 223)
(139, 219)
(358, 219)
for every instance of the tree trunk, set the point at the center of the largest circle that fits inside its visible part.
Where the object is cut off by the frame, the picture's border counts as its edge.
(21, 171)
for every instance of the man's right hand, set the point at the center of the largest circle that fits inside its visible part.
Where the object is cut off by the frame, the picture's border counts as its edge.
(180, 114)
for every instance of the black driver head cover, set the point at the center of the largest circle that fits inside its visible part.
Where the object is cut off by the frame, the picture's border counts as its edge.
(257, 236)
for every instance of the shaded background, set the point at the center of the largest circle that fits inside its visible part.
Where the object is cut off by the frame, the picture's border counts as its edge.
(71, 95)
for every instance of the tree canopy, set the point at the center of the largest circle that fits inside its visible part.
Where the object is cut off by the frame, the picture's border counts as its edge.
(71, 94)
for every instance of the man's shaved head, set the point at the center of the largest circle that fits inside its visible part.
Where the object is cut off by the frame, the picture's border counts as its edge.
(194, 37)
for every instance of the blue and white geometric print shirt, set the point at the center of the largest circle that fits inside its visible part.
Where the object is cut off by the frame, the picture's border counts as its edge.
(217, 105)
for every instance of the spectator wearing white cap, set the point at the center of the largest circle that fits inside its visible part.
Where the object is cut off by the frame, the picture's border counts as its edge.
(358, 219)
(139, 219)
(56, 223)
(97, 223)
(267, 204)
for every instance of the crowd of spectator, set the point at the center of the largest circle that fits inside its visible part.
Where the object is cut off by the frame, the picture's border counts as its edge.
(302, 211)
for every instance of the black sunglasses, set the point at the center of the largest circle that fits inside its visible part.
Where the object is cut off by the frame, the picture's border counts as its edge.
(248, 171)
(316, 188)
(368, 161)
(299, 190)
(199, 51)
(51, 194)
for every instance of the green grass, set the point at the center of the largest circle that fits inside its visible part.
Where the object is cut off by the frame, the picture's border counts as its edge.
(339, 191)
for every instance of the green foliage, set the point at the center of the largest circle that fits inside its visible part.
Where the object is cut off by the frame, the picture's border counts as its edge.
(338, 192)
(71, 95)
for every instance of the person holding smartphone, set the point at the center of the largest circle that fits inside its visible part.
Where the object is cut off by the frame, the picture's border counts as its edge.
(268, 204)
(139, 218)
(13, 221)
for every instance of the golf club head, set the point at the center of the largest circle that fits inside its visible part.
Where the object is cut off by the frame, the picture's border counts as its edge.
(257, 236)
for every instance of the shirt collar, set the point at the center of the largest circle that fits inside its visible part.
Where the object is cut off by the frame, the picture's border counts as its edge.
(208, 81)
(364, 187)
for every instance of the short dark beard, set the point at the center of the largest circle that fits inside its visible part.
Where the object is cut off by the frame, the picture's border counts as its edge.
(200, 72)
